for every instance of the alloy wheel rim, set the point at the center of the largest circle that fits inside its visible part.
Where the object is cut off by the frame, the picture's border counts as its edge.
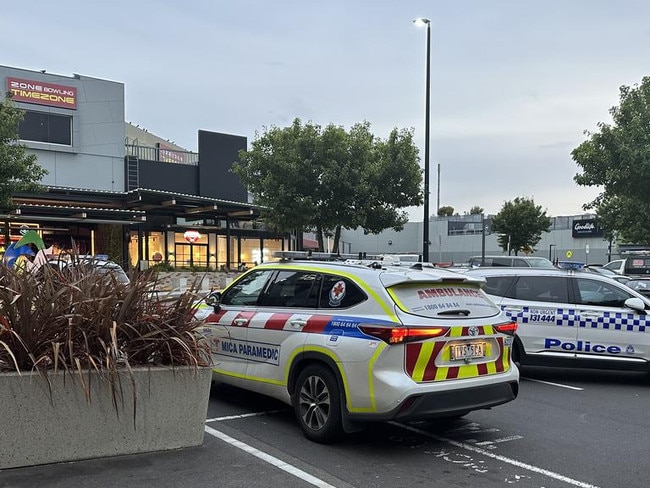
(314, 402)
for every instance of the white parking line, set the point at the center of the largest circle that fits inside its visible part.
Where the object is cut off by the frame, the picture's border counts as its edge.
(498, 441)
(244, 415)
(503, 459)
(560, 385)
(278, 463)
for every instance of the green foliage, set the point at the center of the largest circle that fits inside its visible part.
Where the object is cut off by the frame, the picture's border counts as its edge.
(325, 179)
(476, 210)
(446, 211)
(520, 224)
(19, 171)
(617, 159)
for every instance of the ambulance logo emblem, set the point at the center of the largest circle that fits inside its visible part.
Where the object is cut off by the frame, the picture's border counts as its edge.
(337, 293)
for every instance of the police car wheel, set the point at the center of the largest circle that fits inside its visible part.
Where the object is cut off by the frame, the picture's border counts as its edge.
(517, 352)
(317, 404)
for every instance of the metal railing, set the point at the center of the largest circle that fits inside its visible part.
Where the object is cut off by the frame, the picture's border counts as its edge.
(163, 155)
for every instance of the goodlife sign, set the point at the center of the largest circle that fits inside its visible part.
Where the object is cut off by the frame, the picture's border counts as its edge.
(586, 228)
(31, 91)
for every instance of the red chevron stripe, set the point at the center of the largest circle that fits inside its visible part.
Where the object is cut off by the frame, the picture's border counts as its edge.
(431, 368)
(277, 321)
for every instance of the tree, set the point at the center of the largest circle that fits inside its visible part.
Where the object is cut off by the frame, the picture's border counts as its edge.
(446, 211)
(325, 179)
(19, 171)
(617, 158)
(476, 210)
(520, 224)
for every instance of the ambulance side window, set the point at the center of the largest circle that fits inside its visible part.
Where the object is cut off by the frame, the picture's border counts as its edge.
(247, 290)
(339, 292)
(295, 289)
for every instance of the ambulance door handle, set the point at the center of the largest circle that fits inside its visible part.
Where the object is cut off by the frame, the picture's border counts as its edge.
(240, 322)
(513, 309)
(298, 323)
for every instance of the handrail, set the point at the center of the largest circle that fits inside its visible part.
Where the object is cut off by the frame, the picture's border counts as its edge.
(164, 155)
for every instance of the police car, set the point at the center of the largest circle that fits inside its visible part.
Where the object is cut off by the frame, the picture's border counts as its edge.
(571, 317)
(348, 344)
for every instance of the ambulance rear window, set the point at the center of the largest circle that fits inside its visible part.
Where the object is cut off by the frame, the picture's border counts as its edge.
(448, 300)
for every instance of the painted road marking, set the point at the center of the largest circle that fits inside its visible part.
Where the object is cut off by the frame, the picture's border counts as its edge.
(503, 459)
(278, 463)
(245, 415)
(560, 385)
(499, 441)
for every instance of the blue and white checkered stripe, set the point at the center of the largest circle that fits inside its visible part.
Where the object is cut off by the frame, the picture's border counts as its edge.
(607, 320)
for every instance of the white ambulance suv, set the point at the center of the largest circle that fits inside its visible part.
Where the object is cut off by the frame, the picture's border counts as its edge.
(348, 344)
(571, 317)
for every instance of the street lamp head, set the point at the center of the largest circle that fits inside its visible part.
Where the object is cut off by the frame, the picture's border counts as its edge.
(421, 21)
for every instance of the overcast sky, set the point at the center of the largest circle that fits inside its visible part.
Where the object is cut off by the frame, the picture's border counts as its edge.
(514, 83)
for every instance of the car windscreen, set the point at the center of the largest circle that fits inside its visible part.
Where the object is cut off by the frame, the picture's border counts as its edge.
(448, 300)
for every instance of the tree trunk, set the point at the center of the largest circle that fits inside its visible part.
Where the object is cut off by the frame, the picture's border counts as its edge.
(337, 237)
(319, 236)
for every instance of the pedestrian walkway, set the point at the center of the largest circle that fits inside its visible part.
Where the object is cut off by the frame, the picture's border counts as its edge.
(216, 463)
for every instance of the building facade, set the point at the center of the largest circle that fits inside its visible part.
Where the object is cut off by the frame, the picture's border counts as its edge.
(457, 238)
(116, 190)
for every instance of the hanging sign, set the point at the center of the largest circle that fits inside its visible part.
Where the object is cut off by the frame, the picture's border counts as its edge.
(192, 236)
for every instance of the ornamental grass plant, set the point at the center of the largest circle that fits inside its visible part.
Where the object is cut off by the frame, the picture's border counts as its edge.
(81, 320)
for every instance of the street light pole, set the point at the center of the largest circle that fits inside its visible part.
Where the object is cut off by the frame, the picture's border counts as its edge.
(425, 231)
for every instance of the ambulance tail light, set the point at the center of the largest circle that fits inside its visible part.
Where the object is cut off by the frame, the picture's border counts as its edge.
(508, 328)
(402, 335)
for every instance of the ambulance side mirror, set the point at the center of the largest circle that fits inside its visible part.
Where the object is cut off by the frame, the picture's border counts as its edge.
(214, 300)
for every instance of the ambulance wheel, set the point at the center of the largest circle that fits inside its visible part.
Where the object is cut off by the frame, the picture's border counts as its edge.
(317, 404)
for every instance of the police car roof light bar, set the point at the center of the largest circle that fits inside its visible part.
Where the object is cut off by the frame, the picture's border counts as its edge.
(570, 265)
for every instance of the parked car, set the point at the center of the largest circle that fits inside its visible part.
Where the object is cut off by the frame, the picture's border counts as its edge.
(510, 261)
(103, 265)
(640, 285)
(600, 269)
(347, 344)
(632, 265)
(572, 317)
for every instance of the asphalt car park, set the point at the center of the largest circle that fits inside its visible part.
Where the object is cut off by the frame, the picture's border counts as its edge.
(568, 428)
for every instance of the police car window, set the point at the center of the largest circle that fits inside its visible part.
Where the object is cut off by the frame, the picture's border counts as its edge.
(340, 292)
(500, 286)
(247, 290)
(292, 289)
(542, 289)
(598, 293)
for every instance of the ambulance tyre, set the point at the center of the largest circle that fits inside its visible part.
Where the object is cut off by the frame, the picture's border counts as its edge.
(317, 404)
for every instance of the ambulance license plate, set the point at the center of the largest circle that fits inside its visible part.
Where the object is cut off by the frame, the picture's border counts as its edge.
(467, 351)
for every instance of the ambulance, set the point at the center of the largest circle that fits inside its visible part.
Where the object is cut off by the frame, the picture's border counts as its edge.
(347, 344)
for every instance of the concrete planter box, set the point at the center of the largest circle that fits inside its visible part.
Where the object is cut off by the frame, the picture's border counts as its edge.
(36, 428)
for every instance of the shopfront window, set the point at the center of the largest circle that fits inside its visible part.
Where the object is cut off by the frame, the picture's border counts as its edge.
(191, 249)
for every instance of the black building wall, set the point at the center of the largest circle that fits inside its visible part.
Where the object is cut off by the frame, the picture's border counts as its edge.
(177, 178)
(217, 153)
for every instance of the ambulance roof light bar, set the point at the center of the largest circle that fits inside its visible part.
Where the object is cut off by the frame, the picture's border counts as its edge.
(319, 256)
